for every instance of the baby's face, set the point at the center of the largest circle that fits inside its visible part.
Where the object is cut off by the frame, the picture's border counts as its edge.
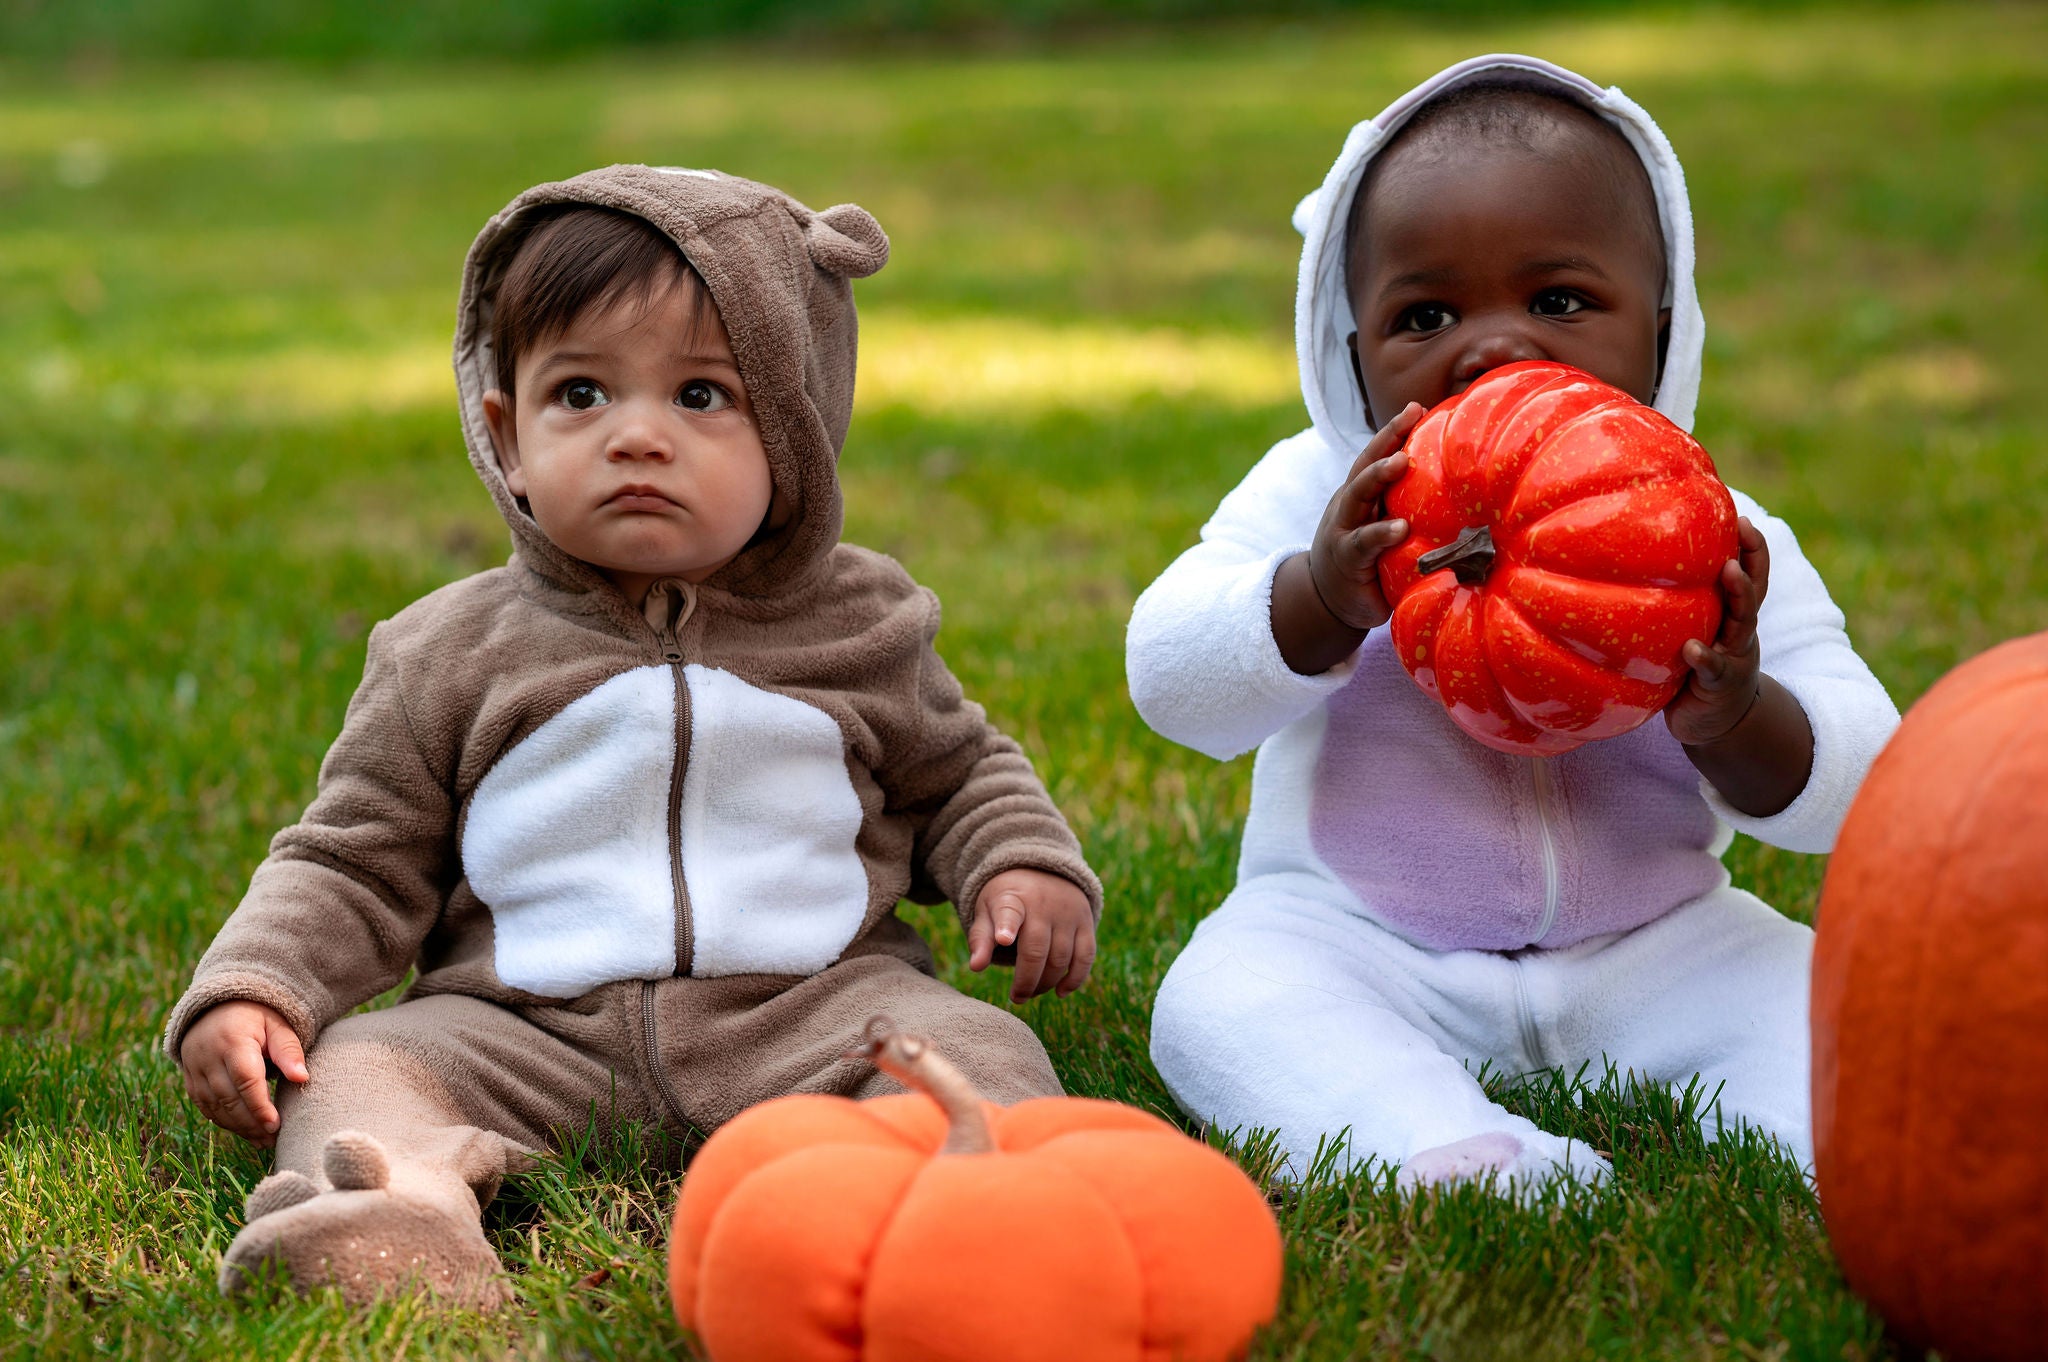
(633, 442)
(1475, 256)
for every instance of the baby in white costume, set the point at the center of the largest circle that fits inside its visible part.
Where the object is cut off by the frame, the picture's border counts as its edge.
(1410, 904)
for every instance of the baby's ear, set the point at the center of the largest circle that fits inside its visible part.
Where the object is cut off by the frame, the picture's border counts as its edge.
(504, 438)
(845, 240)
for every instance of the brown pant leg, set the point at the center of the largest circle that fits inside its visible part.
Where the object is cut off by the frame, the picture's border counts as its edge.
(726, 1044)
(409, 1120)
(453, 1087)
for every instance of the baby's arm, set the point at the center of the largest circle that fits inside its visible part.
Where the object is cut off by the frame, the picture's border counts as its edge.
(1326, 600)
(1203, 654)
(1741, 729)
(336, 913)
(988, 836)
(1780, 715)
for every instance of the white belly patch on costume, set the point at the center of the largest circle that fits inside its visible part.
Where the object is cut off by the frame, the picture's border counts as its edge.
(769, 820)
(568, 838)
(567, 842)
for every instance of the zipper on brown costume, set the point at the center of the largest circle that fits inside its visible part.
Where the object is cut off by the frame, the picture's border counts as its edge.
(670, 603)
(661, 1083)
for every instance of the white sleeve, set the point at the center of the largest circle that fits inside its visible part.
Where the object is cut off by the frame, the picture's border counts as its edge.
(1204, 667)
(1806, 649)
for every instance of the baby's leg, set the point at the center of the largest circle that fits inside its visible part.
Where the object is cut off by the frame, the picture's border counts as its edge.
(729, 1043)
(1717, 988)
(1300, 1017)
(411, 1118)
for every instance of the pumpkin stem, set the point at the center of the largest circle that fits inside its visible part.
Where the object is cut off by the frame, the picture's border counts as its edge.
(917, 1064)
(1469, 556)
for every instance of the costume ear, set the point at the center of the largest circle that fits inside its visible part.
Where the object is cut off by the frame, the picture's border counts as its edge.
(846, 241)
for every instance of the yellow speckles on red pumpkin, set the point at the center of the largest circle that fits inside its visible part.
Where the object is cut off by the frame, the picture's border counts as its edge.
(1604, 488)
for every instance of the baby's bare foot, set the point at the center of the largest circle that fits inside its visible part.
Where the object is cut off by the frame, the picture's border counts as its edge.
(1475, 1156)
(367, 1237)
(1530, 1162)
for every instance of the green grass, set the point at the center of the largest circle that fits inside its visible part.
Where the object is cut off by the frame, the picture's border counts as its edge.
(230, 446)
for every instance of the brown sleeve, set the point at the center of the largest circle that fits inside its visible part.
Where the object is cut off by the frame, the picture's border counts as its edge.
(337, 911)
(978, 806)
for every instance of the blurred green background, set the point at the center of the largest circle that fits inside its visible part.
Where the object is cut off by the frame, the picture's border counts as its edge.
(229, 244)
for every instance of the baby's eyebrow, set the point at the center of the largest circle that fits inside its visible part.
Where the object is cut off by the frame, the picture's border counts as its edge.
(555, 357)
(1442, 274)
(1564, 265)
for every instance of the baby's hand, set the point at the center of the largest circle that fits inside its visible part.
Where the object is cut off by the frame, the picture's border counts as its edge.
(1046, 918)
(1726, 678)
(1343, 561)
(223, 1059)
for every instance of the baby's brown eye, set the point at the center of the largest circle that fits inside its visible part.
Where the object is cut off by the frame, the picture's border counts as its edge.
(1424, 318)
(701, 395)
(580, 394)
(1556, 302)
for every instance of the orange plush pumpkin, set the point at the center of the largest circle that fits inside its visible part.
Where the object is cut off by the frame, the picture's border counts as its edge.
(1930, 1018)
(934, 1225)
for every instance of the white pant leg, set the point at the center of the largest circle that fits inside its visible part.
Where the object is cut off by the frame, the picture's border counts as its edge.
(1294, 1015)
(1716, 988)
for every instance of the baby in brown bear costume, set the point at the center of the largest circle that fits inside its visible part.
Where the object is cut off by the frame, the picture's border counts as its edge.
(638, 806)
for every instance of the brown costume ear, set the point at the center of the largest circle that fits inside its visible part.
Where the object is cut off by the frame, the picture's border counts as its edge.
(846, 241)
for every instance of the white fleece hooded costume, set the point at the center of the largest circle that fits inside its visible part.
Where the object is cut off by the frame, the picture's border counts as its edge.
(1410, 904)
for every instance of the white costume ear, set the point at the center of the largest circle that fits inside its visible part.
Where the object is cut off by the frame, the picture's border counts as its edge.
(845, 240)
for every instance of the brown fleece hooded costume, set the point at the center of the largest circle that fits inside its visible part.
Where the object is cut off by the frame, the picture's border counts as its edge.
(646, 863)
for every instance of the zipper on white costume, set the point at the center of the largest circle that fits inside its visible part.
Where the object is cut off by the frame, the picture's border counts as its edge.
(1539, 770)
(1525, 1016)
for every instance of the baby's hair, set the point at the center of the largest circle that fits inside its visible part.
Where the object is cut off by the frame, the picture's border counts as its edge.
(1504, 109)
(572, 259)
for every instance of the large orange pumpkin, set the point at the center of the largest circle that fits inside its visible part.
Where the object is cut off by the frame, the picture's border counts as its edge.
(934, 1225)
(1930, 1018)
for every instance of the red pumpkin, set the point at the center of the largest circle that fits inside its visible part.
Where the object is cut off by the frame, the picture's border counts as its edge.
(1565, 541)
(1930, 1018)
(935, 1226)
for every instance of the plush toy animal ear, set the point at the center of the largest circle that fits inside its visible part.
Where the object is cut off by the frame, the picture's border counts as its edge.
(846, 241)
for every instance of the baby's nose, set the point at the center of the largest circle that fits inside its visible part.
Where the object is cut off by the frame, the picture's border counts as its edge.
(1491, 349)
(639, 435)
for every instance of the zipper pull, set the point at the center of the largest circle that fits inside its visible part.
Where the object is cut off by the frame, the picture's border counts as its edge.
(670, 603)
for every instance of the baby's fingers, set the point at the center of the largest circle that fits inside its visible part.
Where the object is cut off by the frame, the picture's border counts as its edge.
(1363, 546)
(1365, 492)
(1034, 949)
(282, 1045)
(1387, 438)
(1713, 669)
(251, 1088)
(1740, 601)
(1083, 962)
(226, 1104)
(1755, 556)
(995, 926)
(981, 943)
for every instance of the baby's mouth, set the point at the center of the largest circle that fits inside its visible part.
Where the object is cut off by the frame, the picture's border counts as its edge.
(639, 497)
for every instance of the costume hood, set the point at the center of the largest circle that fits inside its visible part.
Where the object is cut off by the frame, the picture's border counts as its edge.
(779, 274)
(1322, 310)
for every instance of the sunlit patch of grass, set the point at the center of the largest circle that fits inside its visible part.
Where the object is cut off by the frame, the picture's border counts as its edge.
(1012, 367)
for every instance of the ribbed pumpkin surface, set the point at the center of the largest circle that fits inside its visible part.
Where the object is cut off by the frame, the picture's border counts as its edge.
(817, 1229)
(1609, 528)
